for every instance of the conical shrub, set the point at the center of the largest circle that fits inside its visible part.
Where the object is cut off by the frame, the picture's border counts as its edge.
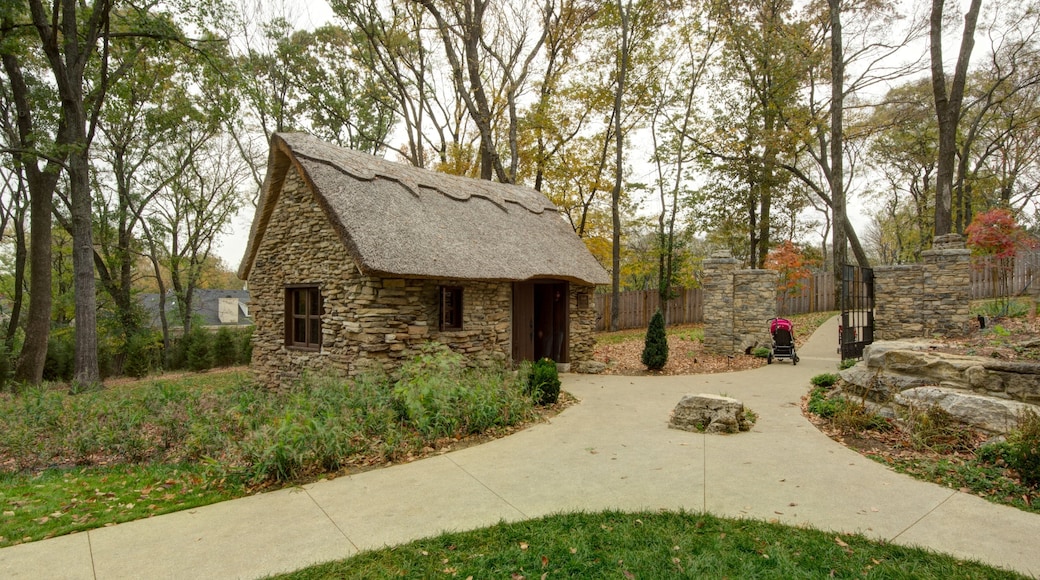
(655, 351)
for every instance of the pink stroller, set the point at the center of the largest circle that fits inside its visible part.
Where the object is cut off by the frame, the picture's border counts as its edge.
(783, 340)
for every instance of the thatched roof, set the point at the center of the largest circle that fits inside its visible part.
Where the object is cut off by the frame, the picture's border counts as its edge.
(399, 220)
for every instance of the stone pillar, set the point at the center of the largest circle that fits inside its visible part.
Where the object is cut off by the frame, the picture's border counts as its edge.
(897, 295)
(946, 285)
(754, 303)
(718, 302)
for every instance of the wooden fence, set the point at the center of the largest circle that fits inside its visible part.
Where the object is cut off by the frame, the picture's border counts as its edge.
(636, 307)
(1022, 277)
(816, 295)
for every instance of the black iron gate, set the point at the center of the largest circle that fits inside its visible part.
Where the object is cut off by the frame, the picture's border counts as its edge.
(857, 311)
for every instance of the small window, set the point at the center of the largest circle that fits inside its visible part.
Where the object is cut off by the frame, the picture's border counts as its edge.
(303, 317)
(451, 308)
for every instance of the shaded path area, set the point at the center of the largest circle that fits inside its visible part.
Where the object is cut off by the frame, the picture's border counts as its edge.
(613, 450)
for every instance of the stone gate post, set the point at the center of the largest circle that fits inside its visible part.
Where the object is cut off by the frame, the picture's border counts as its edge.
(946, 287)
(718, 302)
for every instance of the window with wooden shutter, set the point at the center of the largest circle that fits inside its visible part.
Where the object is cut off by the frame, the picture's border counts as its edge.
(451, 308)
(303, 309)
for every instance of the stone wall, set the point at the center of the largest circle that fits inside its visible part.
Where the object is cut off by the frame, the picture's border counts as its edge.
(927, 299)
(371, 323)
(582, 338)
(737, 305)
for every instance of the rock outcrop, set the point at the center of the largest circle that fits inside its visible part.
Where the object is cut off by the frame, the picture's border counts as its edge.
(988, 394)
(709, 414)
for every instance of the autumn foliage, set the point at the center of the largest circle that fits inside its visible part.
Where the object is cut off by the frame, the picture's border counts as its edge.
(788, 261)
(995, 237)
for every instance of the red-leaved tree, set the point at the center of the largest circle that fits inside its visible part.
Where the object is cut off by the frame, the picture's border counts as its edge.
(994, 238)
(788, 261)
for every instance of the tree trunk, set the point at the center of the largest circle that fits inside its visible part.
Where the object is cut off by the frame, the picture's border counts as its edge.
(38, 318)
(615, 197)
(41, 184)
(86, 374)
(948, 107)
(836, 177)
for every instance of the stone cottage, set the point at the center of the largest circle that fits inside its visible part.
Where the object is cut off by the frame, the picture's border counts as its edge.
(355, 262)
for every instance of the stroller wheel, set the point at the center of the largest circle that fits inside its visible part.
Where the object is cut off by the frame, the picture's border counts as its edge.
(769, 360)
(794, 360)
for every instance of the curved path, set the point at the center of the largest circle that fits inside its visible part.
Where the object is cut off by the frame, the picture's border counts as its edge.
(614, 450)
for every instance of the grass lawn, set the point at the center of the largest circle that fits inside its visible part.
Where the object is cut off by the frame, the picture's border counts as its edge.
(648, 545)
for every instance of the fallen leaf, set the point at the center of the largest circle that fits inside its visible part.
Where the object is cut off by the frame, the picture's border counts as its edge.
(628, 574)
(574, 550)
(838, 540)
(43, 520)
(523, 545)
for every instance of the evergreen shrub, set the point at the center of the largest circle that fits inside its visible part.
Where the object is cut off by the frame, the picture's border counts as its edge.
(655, 350)
(225, 353)
(543, 383)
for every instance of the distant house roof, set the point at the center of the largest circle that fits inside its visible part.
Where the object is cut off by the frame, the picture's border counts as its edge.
(207, 305)
(399, 220)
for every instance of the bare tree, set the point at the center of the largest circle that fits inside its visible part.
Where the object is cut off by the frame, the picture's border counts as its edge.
(948, 101)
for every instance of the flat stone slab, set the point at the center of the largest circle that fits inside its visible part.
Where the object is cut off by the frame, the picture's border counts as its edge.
(989, 413)
(709, 414)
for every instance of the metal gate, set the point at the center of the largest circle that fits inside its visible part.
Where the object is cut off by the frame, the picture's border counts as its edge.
(857, 311)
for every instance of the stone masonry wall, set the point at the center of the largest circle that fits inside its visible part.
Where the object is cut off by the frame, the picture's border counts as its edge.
(299, 247)
(371, 323)
(927, 299)
(737, 305)
(718, 302)
(754, 303)
(583, 326)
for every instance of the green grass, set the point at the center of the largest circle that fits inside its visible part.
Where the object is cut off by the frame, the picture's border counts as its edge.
(995, 483)
(61, 501)
(648, 545)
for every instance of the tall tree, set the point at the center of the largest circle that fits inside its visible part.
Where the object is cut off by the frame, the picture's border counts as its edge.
(948, 100)
(685, 56)
(29, 146)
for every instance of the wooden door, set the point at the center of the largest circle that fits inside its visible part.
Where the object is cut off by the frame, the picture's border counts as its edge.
(523, 321)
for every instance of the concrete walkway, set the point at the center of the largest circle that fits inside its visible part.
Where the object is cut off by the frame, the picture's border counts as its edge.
(613, 450)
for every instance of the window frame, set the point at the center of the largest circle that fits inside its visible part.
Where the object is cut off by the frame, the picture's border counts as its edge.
(450, 315)
(311, 316)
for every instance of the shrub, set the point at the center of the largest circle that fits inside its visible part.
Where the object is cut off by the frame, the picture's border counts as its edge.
(762, 352)
(543, 384)
(655, 350)
(61, 356)
(198, 353)
(1023, 453)
(825, 380)
(6, 366)
(224, 352)
(245, 346)
(934, 429)
(142, 352)
(847, 363)
(822, 405)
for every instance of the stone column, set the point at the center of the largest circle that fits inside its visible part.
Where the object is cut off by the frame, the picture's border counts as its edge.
(898, 291)
(946, 286)
(718, 302)
(754, 303)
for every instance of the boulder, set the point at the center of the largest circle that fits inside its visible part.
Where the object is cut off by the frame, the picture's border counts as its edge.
(891, 367)
(984, 412)
(588, 367)
(709, 414)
